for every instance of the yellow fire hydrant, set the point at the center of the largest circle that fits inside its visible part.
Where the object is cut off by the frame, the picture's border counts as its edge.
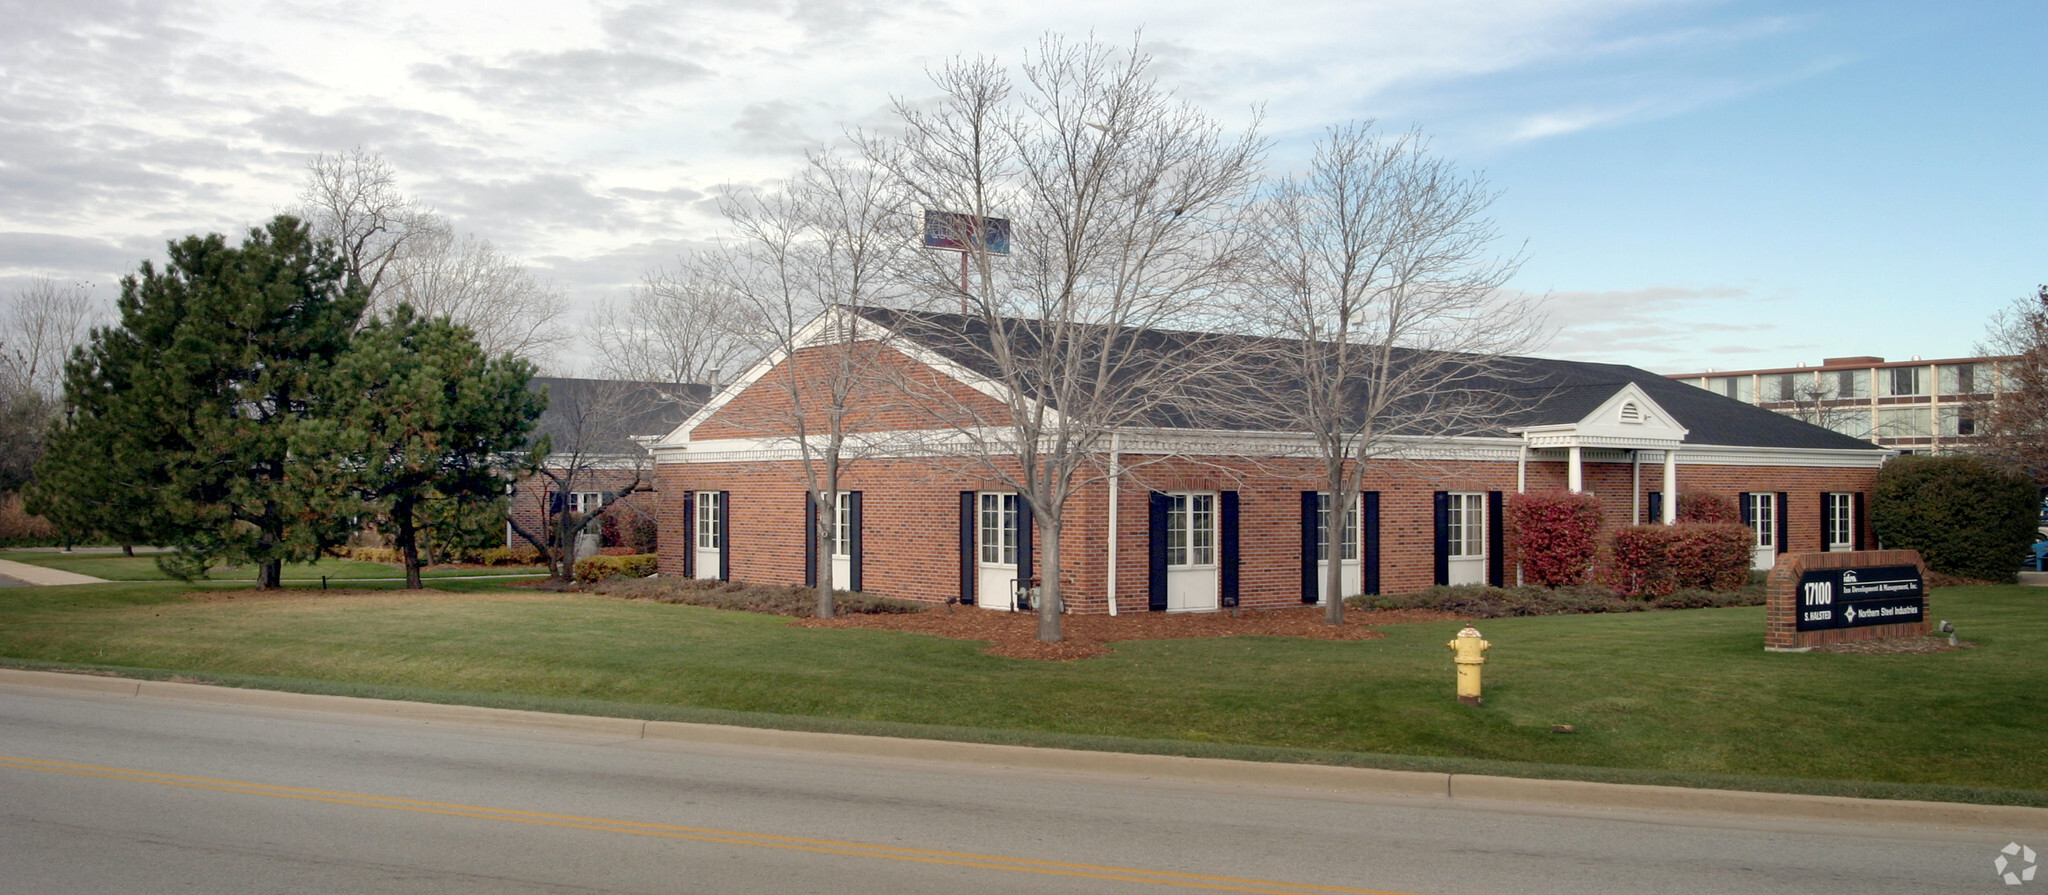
(1469, 652)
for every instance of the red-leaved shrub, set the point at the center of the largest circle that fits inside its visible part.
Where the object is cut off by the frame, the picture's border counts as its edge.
(1554, 533)
(1708, 506)
(1655, 560)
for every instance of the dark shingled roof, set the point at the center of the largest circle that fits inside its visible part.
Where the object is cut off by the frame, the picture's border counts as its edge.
(602, 416)
(1538, 391)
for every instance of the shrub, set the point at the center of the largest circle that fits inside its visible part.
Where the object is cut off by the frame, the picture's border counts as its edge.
(1657, 560)
(628, 528)
(798, 602)
(371, 554)
(17, 524)
(509, 556)
(1708, 506)
(1554, 533)
(600, 567)
(1966, 516)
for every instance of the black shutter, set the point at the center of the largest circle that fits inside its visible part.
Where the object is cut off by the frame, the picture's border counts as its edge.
(1856, 519)
(810, 540)
(1496, 542)
(1155, 572)
(1227, 554)
(725, 535)
(1443, 537)
(1655, 504)
(1369, 537)
(1743, 499)
(1309, 502)
(968, 564)
(689, 534)
(1023, 542)
(1784, 520)
(854, 567)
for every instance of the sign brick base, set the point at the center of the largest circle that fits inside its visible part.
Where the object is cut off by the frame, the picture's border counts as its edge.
(1783, 593)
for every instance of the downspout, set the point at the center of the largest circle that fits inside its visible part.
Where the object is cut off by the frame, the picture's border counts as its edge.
(1115, 446)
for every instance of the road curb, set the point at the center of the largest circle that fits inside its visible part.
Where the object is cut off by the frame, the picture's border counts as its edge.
(1374, 781)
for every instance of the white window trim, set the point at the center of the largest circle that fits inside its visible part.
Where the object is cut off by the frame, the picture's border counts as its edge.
(1467, 535)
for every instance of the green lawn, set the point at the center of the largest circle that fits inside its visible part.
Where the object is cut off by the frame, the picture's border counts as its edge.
(1679, 697)
(115, 567)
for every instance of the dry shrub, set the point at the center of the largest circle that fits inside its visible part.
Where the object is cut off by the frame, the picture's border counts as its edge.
(16, 524)
(796, 602)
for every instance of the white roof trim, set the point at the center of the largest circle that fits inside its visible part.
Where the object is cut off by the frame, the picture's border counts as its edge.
(1629, 419)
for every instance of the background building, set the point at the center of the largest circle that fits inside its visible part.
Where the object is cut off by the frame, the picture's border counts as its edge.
(1910, 406)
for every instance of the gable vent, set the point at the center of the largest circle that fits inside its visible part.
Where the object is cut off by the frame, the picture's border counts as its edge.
(1631, 412)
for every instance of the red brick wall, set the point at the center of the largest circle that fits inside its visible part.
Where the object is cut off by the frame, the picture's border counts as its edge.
(888, 390)
(910, 518)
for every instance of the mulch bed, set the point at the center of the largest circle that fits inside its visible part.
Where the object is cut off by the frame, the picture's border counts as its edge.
(1015, 634)
(1896, 646)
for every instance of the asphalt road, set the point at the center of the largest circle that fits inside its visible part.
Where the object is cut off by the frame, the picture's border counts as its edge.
(122, 794)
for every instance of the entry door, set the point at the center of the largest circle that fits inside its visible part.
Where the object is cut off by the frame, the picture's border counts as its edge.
(1348, 552)
(710, 539)
(1192, 582)
(1467, 539)
(996, 570)
(1762, 510)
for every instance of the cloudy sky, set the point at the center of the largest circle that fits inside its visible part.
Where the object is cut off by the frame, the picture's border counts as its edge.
(1694, 184)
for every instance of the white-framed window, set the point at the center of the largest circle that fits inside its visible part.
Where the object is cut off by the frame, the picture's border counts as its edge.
(586, 502)
(1846, 383)
(1841, 511)
(999, 529)
(710, 521)
(1467, 525)
(1905, 422)
(1323, 513)
(1763, 517)
(841, 534)
(1962, 379)
(1737, 387)
(1783, 387)
(1956, 422)
(1191, 529)
(1853, 422)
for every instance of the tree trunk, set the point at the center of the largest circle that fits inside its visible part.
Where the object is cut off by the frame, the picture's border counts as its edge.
(270, 574)
(824, 509)
(408, 543)
(1050, 603)
(126, 549)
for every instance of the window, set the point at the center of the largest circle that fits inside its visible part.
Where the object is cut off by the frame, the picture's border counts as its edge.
(1962, 379)
(840, 536)
(1737, 387)
(1956, 422)
(1350, 548)
(999, 529)
(1467, 525)
(1903, 381)
(1853, 423)
(1841, 521)
(585, 502)
(1905, 422)
(1847, 384)
(1763, 506)
(710, 521)
(1191, 530)
(1783, 387)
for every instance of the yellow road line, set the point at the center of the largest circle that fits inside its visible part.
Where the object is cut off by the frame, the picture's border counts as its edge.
(702, 834)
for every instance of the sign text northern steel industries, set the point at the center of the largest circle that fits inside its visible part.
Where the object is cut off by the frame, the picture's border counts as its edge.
(1852, 598)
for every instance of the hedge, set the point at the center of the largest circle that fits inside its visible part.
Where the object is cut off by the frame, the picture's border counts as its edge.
(1657, 560)
(1966, 516)
(1555, 534)
(600, 567)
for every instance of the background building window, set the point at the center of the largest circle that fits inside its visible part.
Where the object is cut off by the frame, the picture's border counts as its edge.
(1903, 381)
(1961, 379)
(1905, 422)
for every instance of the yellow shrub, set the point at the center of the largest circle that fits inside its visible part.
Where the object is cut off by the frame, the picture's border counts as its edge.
(598, 568)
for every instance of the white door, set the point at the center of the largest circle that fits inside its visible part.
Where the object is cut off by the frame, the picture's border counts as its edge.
(995, 586)
(710, 540)
(1467, 541)
(842, 541)
(1347, 554)
(1191, 567)
(1763, 520)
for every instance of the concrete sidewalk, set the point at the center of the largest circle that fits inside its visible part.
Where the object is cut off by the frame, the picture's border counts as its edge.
(21, 571)
(1211, 771)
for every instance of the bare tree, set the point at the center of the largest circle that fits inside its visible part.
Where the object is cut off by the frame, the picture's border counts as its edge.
(680, 324)
(809, 257)
(1376, 272)
(42, 324)
(2013, 423)
(467, 280)
(353, 198)
(1121, 201)
(591, 451)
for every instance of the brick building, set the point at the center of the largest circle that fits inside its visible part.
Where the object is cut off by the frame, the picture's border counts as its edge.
(597, 430)
(1188, 519)
(1909, 406)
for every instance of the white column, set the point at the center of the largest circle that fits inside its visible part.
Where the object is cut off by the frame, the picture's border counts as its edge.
(1522, 470)
(1577, 478)
(1670, 486)
(1635, 488)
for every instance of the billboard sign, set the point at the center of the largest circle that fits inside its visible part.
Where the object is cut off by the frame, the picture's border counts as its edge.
(1854, 598)
(955, 232)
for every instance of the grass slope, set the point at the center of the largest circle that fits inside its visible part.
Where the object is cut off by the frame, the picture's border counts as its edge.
(1685, 696)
